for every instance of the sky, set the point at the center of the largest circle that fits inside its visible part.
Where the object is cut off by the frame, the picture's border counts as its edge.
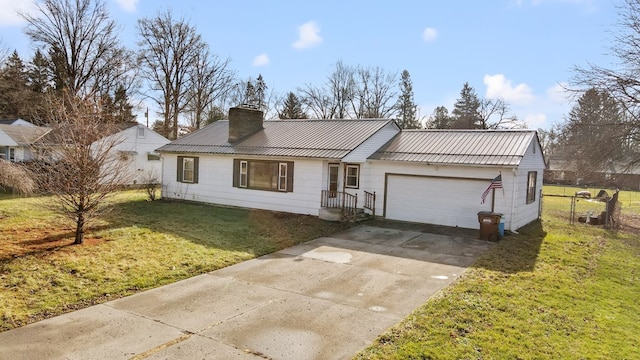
(523, 51)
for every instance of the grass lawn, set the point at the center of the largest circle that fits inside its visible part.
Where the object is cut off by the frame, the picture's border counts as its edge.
(136, 246)
(555, 291)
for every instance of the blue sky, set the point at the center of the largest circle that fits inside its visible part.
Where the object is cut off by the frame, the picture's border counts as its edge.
(520, 50)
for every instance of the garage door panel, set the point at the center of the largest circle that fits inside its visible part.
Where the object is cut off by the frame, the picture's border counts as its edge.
(442, 201)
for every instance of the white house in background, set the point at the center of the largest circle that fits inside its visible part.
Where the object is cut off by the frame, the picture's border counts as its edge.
(16, 141)
(134, 143)
(137, 144)
(306, 166)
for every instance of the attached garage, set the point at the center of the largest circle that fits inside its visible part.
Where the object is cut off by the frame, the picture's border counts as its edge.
(435, 200)
(438, 176)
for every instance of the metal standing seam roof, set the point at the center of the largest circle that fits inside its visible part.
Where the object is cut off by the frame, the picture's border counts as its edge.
(332, 139)
(458, 147)
(24, 135)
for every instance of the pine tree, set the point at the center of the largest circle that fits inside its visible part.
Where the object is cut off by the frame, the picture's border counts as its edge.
(250, 94)
(14, 91)
(292, 108)
(116, 108)
(466, 110)
(406, 105)
(595, 132)
(39, 73)
(260, 92)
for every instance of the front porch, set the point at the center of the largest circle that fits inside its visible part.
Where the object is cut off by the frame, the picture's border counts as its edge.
(343, 206)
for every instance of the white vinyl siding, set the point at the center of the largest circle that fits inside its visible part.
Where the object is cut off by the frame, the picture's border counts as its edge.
(216, 186)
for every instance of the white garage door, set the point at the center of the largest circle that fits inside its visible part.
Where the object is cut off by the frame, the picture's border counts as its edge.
(432, 200)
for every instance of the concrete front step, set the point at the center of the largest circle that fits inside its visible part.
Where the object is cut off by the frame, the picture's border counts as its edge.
(335, 214)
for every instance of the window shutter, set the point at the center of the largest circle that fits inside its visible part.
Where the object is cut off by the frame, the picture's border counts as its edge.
(290, 176)
(236, 173)
(179, 172)
(195, 169)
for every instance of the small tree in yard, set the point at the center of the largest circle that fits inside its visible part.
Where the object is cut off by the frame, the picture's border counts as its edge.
(82, 167)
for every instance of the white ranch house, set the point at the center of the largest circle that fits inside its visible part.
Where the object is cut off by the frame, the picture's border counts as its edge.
(307, 166)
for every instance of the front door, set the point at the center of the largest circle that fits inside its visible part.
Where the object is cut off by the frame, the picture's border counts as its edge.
(333, 179)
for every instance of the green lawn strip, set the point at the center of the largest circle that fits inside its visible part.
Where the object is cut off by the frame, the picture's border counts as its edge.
(556, 292)
(140, 245)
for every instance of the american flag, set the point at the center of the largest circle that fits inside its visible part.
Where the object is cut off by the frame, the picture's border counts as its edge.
(495, 184)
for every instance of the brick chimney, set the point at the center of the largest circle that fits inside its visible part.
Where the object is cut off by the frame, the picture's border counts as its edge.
(244, 122)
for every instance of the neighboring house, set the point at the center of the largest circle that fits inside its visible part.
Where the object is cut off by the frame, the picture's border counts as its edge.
(614, 174)
(138, 144)
(135, 143)
(16, 141)
(15, 122)
(299, 166)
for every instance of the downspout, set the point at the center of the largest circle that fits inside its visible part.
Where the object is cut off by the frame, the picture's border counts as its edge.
(513, 198)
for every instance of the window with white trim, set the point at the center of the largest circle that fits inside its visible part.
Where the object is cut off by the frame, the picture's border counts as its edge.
(243, 174)
(352, 176)
(263, 175)
(282, 177)
(187, 169)
(531, 186)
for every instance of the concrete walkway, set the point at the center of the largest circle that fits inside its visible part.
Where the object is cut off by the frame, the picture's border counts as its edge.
(325, 299)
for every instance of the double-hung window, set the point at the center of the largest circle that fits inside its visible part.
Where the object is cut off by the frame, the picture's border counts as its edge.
(352, 176)
(531, 186)
(244, 166)
(187, 169)
(265, 175)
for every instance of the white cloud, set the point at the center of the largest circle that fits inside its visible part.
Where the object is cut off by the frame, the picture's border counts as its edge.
(499, 87)
(9, 14)
(128, 5)
(429, 34)
(307, 36)
(260, 60)
(558, 93)
(536, 121)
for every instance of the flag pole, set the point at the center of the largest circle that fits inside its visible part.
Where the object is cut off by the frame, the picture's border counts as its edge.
(493, 199)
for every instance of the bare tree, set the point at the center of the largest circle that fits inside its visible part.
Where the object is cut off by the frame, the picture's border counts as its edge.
(211, 79)
(81, 168)
(170, 50)
(318, 101)
(374, 93)
(496, 114)
(83, 38)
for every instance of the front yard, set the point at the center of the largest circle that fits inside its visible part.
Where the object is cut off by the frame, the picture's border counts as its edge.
(555, 291)
(138, 245)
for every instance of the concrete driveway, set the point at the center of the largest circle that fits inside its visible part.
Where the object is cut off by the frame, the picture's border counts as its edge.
(325, 299)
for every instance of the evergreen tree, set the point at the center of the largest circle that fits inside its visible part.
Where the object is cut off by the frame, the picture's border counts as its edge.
(406, 105)
(440, 119)
(594, 132)
(292, 108)
(39, 73)
(466, 110)
(260, 92)
(14, 91)
(250, 94)
(116, 108)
